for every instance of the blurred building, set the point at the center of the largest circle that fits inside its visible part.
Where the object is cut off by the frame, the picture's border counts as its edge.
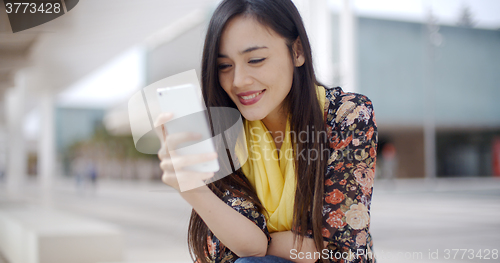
(76, 124)
(434, 88)
(400, 70)
(458, 80)
(39, 63)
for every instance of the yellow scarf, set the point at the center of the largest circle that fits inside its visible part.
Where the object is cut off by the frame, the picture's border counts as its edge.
(273, 178)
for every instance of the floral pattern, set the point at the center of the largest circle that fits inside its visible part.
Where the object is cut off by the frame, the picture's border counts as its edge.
(352, 130)
(218, 251)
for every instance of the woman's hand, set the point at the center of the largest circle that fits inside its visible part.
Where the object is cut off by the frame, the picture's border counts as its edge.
(173, 165)
(219, 217)
(282, 245)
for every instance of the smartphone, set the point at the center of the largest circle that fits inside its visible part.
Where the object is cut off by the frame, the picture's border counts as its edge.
(188, 116)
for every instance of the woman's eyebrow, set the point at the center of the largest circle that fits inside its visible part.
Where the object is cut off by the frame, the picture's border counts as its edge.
(250, 49)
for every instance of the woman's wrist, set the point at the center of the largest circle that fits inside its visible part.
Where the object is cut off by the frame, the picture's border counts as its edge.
(196, 194)
(282, 245)
(223, 220)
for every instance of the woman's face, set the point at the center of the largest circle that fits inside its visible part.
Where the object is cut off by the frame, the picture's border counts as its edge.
(255, 68)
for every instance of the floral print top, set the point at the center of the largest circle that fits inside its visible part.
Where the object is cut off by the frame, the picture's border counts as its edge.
(352, 131)
(217, 250)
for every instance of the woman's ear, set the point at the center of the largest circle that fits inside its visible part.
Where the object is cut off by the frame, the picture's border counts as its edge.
(298, 53)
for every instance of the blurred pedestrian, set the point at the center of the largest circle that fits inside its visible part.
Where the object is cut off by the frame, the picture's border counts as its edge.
(389, 161)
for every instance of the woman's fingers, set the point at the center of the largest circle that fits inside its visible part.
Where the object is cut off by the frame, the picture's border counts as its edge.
(167, 165)
(178, 163)
(175, 139)
(163, 153)
(188, 179)
(182, 179)
(173, 165)
(159, 127)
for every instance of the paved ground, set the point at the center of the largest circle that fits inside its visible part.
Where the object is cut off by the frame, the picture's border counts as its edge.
(410, 218)
(415, 218)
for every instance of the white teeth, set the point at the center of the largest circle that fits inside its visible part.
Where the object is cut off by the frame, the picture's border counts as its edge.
(251, 96)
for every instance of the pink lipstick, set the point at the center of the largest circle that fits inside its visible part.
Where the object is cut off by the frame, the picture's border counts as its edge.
(250, 97)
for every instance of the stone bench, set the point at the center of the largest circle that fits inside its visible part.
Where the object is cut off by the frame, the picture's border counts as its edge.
(31, 234)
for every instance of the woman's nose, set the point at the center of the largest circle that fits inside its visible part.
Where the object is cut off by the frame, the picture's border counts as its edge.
(241, 77)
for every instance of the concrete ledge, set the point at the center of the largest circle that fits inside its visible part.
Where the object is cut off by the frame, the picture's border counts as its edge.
(34, 235)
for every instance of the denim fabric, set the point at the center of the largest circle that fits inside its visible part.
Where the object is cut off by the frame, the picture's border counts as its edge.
(266, 259)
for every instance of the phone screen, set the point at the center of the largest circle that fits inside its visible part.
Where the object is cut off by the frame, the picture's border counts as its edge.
(188, 116)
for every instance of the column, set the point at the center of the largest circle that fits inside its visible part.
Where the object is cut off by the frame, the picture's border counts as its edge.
(16, 153)
(348, 47)
(46, 142)
(316, 15)
(321, 25)
(433, 41)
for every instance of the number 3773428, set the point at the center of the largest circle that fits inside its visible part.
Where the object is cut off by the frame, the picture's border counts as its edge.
(45, 8)
(471, 253)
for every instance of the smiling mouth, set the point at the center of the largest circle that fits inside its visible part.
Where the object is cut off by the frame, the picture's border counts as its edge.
(251, 98)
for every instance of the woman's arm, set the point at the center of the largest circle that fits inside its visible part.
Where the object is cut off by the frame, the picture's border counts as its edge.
(224, 221)
(350, 176)
(220, 218)
(348, 183)
(282, 246)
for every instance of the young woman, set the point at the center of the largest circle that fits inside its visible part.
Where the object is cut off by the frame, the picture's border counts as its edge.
(304, 194)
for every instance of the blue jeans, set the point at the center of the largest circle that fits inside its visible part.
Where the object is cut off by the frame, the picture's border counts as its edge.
(266, 259)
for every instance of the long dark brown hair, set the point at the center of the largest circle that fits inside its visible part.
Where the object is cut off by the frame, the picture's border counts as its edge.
(301, 103)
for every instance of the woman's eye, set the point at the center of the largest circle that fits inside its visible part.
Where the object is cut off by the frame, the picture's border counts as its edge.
(224, 66)
(255, 61)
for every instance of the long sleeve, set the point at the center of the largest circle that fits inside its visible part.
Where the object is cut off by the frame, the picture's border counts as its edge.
(217, 250)
(349, 178)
